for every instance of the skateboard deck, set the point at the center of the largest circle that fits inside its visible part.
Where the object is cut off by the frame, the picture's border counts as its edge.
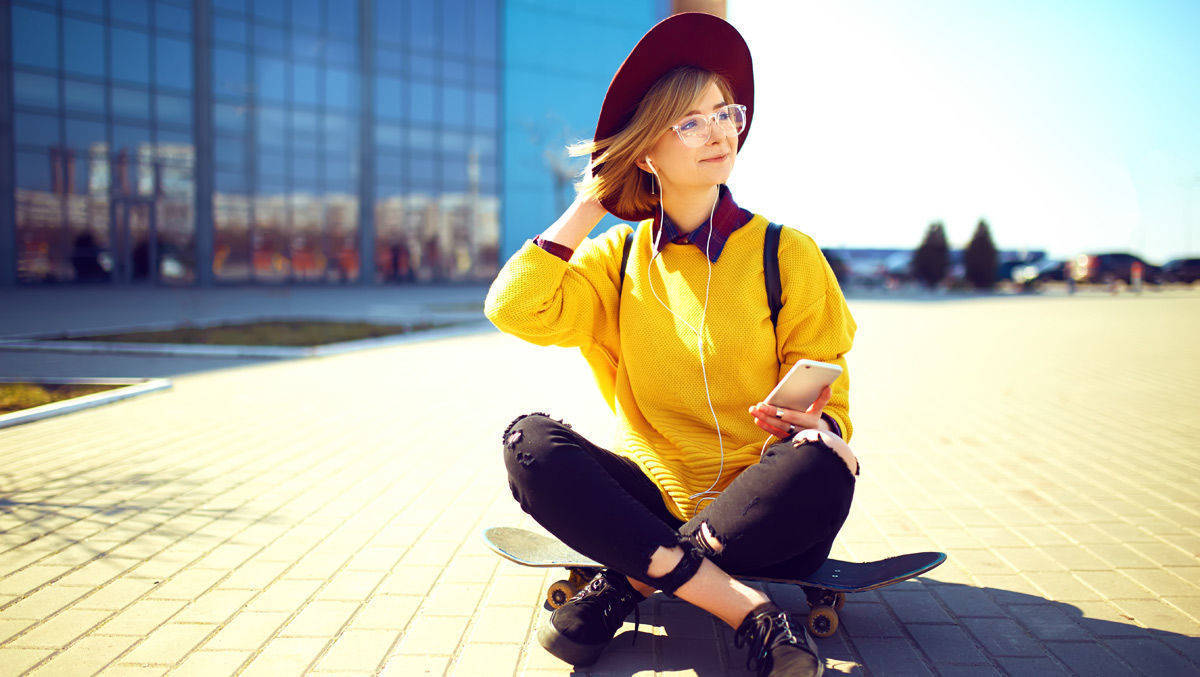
(825, 589)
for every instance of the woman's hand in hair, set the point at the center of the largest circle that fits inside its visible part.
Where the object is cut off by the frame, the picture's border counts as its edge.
(775, 420)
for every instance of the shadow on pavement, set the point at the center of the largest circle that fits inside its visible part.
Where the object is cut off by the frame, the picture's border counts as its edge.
(953, 624)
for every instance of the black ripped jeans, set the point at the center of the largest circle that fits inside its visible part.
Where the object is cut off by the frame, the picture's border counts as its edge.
(778, 518)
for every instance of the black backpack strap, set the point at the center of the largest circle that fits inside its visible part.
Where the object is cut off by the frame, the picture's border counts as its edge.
(771, 270)
(624, 258)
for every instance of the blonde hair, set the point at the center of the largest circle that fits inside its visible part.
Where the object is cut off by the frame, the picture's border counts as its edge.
(619, 179)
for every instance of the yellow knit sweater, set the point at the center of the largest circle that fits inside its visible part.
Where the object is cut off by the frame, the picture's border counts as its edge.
(646, 362)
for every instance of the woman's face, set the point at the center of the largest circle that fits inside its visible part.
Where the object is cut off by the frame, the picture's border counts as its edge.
(682, 167)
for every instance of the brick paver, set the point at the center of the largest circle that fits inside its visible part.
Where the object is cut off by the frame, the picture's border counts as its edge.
(322, 515)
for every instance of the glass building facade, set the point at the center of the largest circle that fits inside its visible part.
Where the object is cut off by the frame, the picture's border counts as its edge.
(268, 141)
(209, 142)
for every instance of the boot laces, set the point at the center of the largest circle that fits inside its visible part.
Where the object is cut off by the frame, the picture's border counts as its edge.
(763, 633)
(600, 591)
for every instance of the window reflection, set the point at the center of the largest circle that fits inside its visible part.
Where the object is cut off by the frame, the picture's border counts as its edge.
(105, 163)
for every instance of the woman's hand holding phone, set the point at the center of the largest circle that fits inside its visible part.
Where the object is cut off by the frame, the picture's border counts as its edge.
(775, 420)
(808, 424)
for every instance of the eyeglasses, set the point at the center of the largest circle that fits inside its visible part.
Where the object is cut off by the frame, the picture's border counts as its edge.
(695, 130)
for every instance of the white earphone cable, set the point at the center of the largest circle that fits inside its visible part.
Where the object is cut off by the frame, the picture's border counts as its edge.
(699, 332)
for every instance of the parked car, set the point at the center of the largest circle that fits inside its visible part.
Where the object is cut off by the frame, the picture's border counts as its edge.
(1114, 266)
(1181, 270)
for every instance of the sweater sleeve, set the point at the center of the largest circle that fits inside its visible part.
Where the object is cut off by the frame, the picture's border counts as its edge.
(543, 299)
(815, 323)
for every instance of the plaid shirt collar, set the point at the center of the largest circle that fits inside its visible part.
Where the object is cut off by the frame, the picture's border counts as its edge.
(727, 217)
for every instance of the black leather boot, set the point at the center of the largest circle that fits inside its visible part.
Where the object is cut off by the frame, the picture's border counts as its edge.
(578, 631)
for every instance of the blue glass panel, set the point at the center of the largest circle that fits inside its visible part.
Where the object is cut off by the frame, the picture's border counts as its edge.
(230, 29)
(454, 173)
(388, 95)
(390, 168)
(229, 73)
(271, 77)
(454, 105)
(172, 18)
(92, 7)
(173, 69)
(175, 110)
(229, 118)
(130, 11)
(304, 84)
(271, 164)
(341, 53)
(84, 97)
(130, 137)
(423, 67)
(270, 39)
(422, 31)
(484, 144)
(422, 138)
(423, 170)
(341, 89)
(35, 90)
(32, 129)
(269, 9)
(131, 103)
(486, 76)
(485, 109)
(131, 55)
(229, 152)
(271, 127)
(304, 131)
(422, 104)
(173, 136)
(238, 6)
(389, 19)
(454, 141)
(389, 59)
(83, 47)
(231, 182)
(340, 171)
(33, 170)
(307, 14)
(484, 30)
(35, 38)
(304, 171)
(455, 70)
(306, 46)
(342, 18)
(82, 134)
(389, 136)
(454, 26)
(341, 133)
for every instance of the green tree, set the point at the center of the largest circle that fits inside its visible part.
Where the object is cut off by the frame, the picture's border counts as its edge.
(980, 258)
(932, 259)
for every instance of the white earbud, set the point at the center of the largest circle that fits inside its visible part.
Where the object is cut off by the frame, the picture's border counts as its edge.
(652, 170)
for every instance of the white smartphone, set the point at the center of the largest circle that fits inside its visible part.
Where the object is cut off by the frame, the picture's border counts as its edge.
(803, 384)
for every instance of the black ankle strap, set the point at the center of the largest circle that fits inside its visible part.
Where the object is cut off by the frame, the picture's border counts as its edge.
(687, 567)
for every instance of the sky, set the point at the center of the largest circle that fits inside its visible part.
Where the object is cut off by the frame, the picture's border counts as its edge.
(1069, 127)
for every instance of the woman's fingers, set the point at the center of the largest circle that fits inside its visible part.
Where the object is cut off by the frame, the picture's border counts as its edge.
(821, 401)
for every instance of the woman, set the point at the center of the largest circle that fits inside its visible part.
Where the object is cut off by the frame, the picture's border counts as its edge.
(682, 345)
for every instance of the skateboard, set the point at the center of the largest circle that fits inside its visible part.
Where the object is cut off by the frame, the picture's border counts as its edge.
(825, 589)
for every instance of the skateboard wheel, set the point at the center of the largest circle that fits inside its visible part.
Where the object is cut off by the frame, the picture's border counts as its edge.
(822, 621)
(559, 593)
(577, 579)
(839, 601)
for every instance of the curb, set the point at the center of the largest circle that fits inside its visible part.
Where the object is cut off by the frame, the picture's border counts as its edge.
(135, 387)
(270, 352)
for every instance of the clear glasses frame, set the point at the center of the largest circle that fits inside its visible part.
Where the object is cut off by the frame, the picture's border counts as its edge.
(696, 130)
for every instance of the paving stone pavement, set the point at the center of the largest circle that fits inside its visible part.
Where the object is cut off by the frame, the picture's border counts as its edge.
(322, 515)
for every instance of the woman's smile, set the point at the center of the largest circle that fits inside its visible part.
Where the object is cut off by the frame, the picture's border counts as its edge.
(717, 160)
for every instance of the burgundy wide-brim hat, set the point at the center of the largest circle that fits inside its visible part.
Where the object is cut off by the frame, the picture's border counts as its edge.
(686, 39)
